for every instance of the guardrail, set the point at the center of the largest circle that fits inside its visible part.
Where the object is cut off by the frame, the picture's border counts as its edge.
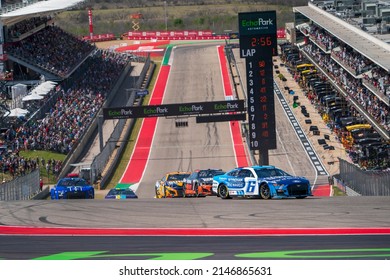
(363, 182)
(21, 188)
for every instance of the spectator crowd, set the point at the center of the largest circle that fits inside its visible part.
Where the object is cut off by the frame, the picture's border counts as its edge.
(362, 80)
(51, 49)
(78, 99)
(378, 109)
(378, 77)
(25, 26)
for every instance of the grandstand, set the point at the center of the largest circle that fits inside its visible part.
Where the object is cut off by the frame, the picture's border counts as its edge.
(76, 76)
(348, 42)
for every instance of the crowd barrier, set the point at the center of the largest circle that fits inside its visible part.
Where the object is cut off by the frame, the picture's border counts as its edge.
(363, 182)
(21, 188)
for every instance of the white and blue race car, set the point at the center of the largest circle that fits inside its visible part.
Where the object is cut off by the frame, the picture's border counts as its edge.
(260, 181)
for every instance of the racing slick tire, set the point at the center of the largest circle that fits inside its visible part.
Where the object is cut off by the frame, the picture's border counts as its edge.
(265, 192)
(184, 191)
(196, 189)
(164, 192)
(223, 192)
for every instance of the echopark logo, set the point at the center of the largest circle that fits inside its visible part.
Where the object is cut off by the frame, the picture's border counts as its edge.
(257, 23)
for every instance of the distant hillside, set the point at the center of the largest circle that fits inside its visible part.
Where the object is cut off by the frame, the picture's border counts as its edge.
(217, 15)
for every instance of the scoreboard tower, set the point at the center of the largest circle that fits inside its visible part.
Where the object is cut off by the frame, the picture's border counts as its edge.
(258, 44)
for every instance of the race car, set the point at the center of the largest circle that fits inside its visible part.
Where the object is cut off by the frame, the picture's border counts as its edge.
(200, 182)
(72, 188)
(121, 193)
(171, 185)
(260, 181)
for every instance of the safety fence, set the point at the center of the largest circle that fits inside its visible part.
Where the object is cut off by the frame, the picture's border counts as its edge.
(363, 182)
(21, 188)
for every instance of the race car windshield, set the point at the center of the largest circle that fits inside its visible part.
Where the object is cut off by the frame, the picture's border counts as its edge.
(120, 191)
(73, 183)
(177, 177)
(262, 173)
(209, 173)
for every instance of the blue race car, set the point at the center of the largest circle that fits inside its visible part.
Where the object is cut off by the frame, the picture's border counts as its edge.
(260, 181)
(121, 193)
(72, 188)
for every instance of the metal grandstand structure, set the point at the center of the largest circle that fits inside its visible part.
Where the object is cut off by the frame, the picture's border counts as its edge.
(22, 8)
(369, 46)
(13, 12)
(361, 28)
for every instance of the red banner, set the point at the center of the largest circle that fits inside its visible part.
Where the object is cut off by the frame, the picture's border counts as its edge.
(100, 37)
(218, 37)
(160, 35)
(281, 33)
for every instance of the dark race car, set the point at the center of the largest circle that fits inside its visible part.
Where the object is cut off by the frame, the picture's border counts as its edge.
(200, 182)
(260, 181)
(72, 188)
(121, 193)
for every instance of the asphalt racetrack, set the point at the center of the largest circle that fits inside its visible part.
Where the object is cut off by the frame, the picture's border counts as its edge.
(200, 228)
(195, 76)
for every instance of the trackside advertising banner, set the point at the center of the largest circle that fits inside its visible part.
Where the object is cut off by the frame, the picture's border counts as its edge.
(176, 33)
(167, 110)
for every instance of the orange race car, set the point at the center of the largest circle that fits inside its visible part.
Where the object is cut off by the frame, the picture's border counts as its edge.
(171, 185)
(200, 182)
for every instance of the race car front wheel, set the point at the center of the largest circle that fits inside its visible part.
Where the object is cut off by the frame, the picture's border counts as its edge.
(223, 192)
(157, 192)
(265, 193)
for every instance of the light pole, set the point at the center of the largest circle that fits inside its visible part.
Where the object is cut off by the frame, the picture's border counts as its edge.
(166, 19)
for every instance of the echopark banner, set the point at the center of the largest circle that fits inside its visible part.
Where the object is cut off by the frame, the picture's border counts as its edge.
(182, 109)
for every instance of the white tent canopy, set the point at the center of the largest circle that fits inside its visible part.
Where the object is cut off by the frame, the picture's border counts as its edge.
(43, 89)
(47, 86)
(50, 83)
(30, 97)
(16, 112)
